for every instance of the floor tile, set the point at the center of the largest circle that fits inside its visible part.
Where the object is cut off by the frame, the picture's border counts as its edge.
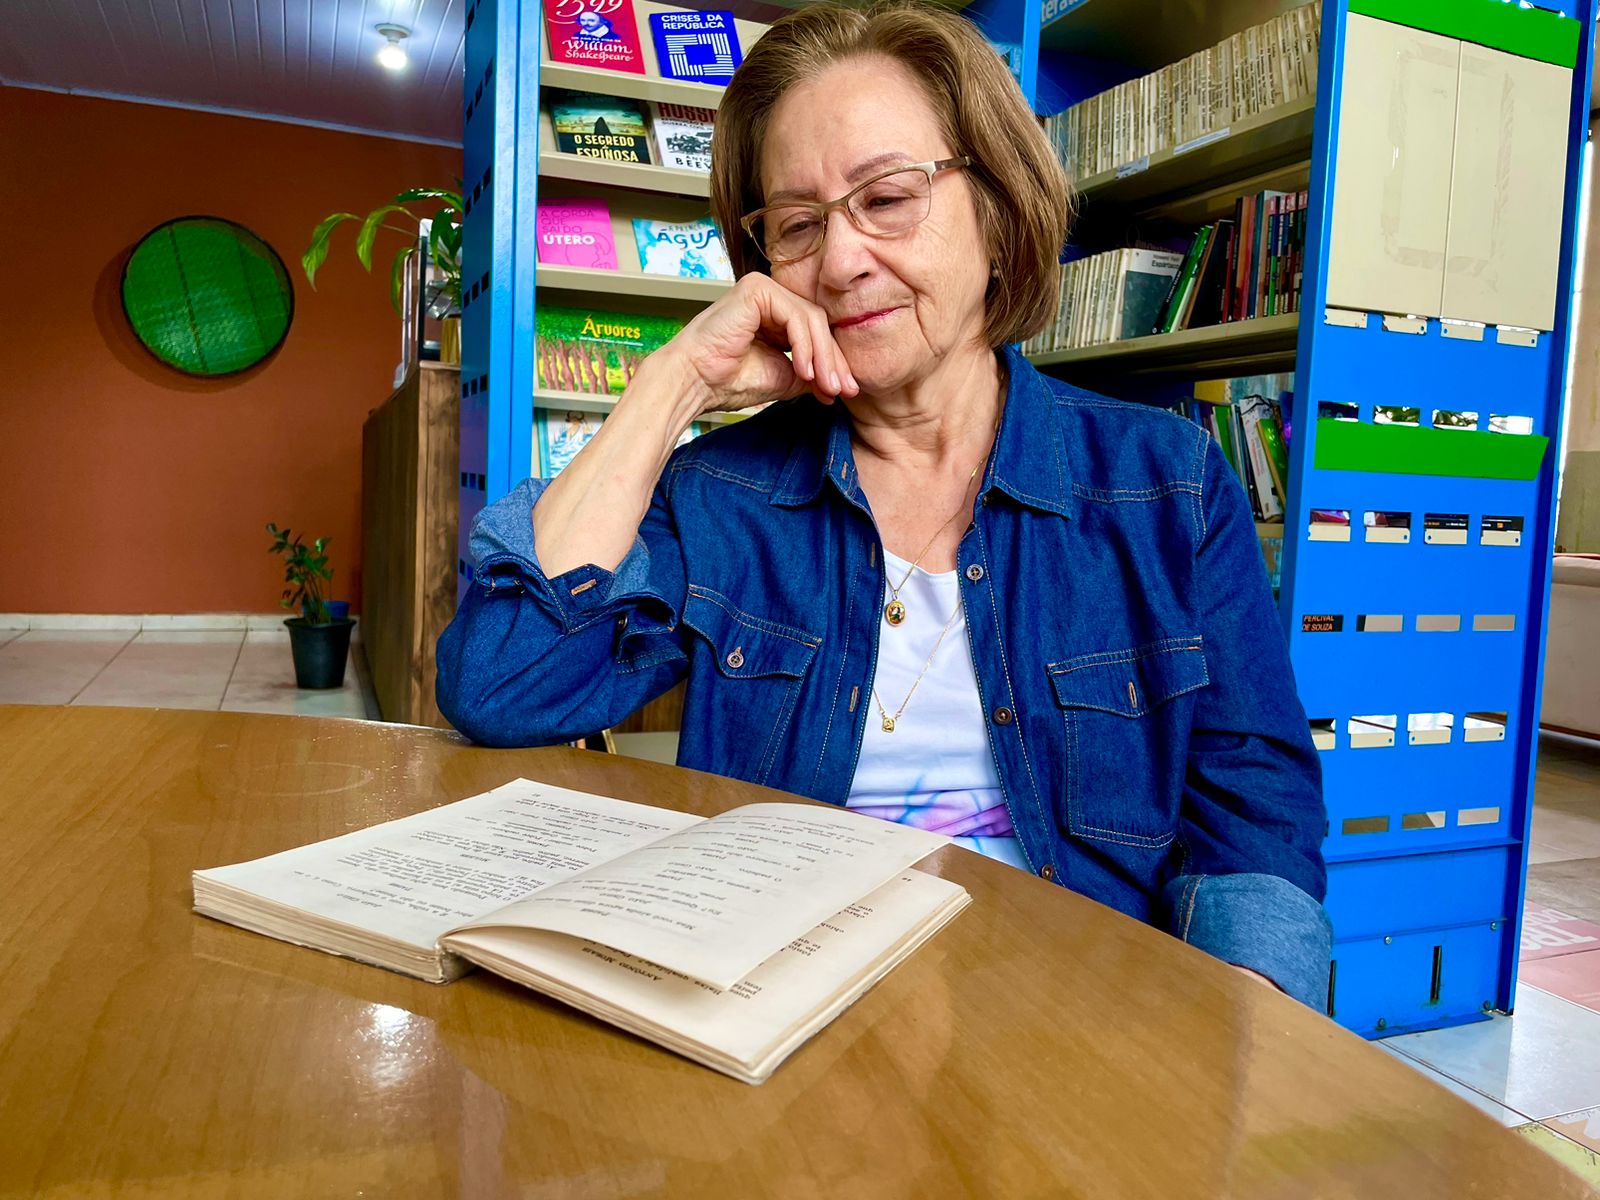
(1550, 932)
(1579, 1159)
(1540, 1063)
(263, 681)
(1574, 977)
(1478, 1100)
(1562, 834)
(1572, 886)
(7, 635)
(167, 670)
(1582, 1127)
(53, 666)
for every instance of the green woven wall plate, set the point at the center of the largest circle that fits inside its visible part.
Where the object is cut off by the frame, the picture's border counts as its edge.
(207, 296)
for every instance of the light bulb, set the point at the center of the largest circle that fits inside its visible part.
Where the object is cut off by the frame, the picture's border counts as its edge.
(393, 54)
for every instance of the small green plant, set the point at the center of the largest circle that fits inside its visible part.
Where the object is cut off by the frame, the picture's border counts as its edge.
(444, 240)
(305, 569)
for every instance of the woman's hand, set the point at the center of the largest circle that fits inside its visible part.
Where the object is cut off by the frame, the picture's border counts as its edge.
(733, 351)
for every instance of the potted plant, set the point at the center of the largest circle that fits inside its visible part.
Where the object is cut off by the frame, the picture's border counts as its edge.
(319, 640)
(443, 300)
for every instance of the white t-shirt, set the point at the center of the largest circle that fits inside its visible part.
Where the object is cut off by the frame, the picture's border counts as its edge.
(935, 770)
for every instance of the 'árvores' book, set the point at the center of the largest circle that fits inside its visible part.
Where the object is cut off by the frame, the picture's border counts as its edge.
(594, 351)
(594, 33)
(730, 940)
(690, 249)
(606, 127)
(576, 233)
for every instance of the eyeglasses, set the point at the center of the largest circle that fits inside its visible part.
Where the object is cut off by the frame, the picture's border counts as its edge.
(884, 205)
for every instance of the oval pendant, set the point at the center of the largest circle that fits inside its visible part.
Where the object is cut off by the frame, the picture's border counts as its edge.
(894, 613)
(888, 724)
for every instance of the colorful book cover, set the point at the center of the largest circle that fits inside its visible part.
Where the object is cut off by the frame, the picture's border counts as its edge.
(593, 351)
(594, 33)
(690, 249)
(702, 47)
(683, 135)
(600, 127)
(576, 233)
(559, 435)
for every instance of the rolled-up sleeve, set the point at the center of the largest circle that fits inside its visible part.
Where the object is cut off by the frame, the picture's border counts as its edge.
(1252, 879)
(531, 659)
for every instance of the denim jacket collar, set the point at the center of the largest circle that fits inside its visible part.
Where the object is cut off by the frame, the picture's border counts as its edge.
(1028, 464)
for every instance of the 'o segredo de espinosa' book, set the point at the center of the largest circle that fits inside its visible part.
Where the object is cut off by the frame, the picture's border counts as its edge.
(730, 940)
(600, 127)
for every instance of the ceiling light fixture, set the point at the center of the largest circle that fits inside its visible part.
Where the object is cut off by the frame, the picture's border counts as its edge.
(393, 54)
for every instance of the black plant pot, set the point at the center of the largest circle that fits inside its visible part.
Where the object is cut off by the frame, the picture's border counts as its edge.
(320, 651)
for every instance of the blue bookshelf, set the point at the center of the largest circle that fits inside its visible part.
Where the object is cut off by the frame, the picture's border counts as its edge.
(1428, 824)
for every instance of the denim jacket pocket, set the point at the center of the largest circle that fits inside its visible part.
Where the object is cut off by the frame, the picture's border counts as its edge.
(1127, 739)
(757, 669)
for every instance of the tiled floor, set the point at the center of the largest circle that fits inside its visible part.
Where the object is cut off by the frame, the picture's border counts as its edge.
(233, 670)
(1537, 1072)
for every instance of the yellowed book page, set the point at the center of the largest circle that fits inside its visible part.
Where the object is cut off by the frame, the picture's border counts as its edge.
(1391, 196)
(412, 879)
(755, 1022)
(716, 899)
(1507, 190)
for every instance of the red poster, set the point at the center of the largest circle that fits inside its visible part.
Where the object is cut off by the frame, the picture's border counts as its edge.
(594, 33)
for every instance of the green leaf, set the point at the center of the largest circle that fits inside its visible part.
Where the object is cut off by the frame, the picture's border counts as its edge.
(317, 252)
(369, 231)
(397, 276)
(411, 195)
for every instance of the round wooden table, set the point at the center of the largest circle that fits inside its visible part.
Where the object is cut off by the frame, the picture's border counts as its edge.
(1040, 1046)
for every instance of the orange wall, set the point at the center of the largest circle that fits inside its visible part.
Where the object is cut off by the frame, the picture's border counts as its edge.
(125, 486)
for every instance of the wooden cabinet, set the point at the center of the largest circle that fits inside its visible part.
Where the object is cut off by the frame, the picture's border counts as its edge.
(410, 475)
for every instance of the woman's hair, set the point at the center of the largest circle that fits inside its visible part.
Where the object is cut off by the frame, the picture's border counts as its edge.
(1024, 205)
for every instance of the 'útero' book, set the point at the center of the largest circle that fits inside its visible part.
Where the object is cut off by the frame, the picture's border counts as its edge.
(594, 351)
(702, 47)
(594, 33)
(576, 233)
(600, 127)
(690, 249)
(730, 940)
(682, 135)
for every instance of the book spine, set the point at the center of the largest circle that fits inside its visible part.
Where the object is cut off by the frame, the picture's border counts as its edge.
(1230, 288)
(1277, 456)
(1170, 305)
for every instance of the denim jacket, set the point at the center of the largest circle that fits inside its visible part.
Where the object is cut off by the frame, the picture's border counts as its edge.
(1135, 680)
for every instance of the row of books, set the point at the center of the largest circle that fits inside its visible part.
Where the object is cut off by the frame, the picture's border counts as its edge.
(621, 130)
(1249, 73)
(1235, 269)
(577, 232)
(699, 47)
(1249, 418)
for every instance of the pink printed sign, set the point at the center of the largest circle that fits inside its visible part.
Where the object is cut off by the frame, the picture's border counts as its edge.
(1550, 933)
(594, 33)
(576, 233)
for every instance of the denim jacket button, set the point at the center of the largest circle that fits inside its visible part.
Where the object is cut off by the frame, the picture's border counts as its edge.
(736, 659)
(1002, 716)
(1047, 872)
(974, 572)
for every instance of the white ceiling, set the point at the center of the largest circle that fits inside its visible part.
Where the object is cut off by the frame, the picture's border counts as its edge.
(305, 60)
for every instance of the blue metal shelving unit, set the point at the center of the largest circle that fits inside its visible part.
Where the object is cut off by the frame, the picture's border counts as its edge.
(1427, 917)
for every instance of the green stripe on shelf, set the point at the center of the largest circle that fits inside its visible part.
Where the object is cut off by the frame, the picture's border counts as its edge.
(1525, 32)
(1409, 450)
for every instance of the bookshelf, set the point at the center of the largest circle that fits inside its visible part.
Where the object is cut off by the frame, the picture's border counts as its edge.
(1430, 638)
(630, 284)
(587, 402)
(1237, 348)
(631, 87)
(597, 172)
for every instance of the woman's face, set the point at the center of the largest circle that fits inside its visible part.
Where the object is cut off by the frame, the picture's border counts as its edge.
(922, 290)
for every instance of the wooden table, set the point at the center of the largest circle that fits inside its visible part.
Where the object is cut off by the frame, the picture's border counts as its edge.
(1039, 1046)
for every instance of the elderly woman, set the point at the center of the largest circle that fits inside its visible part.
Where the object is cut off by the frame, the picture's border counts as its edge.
(929, 583)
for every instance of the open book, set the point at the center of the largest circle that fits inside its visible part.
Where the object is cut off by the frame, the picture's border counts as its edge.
(730, 940)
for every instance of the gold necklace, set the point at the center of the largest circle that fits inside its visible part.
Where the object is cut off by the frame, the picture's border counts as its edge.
(888, 721)
(894, 612)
